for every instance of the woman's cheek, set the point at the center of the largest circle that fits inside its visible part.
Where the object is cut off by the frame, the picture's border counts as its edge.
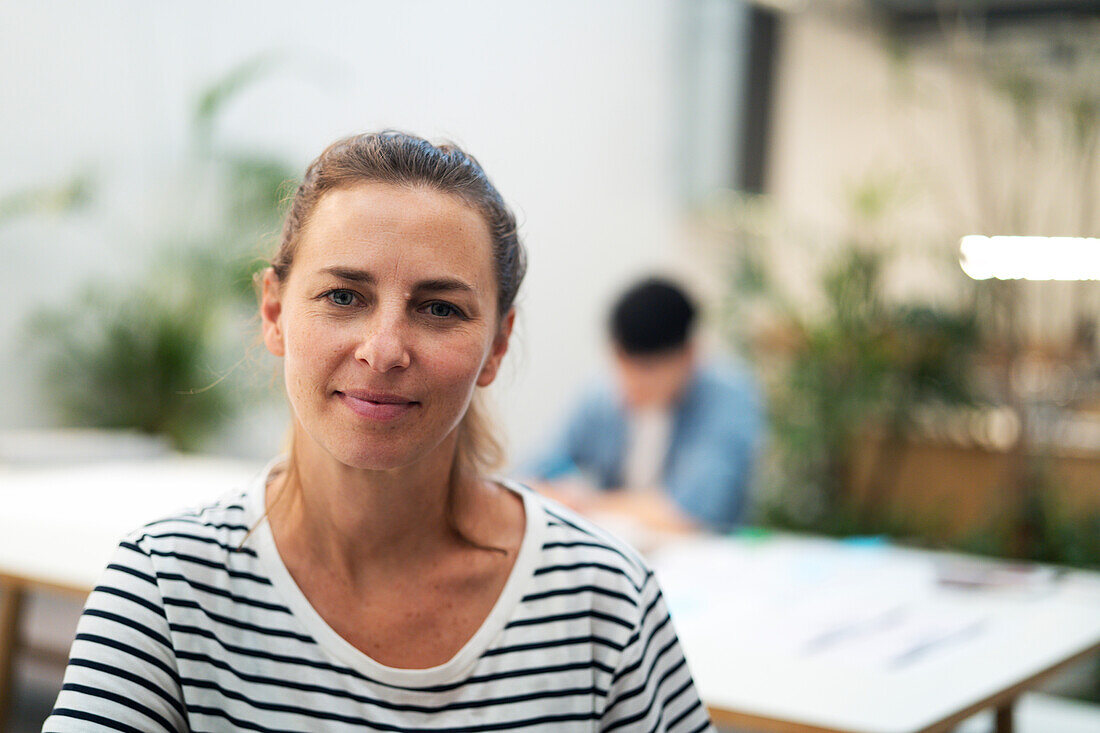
(460, 360)
(314, 341)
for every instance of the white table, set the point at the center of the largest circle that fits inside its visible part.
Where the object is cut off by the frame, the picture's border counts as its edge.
(806, 634)
(60, 526)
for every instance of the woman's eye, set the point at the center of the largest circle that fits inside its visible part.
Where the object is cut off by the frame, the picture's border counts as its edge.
(441, 310)
(341, 297)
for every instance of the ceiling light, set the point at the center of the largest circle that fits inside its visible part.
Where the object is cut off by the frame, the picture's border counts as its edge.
(1030, 258)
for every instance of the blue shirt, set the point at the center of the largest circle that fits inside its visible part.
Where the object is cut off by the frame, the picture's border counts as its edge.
(716, 431)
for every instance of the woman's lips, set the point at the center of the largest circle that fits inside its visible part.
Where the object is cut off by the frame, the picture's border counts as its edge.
(383, 407)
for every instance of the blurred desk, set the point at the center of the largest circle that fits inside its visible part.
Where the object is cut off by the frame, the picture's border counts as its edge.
(60, 526)
(787, 633)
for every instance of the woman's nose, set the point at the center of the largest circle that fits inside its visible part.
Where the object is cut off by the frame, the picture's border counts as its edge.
(384, 345)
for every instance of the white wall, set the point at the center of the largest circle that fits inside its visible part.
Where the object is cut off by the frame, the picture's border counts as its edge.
(566, 103)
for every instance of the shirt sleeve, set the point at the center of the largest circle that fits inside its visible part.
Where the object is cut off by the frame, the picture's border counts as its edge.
(711, 483)
(652, 688)
(122, 672)
(713, 470)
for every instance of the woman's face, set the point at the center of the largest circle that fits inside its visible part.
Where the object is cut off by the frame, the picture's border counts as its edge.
(386, 322)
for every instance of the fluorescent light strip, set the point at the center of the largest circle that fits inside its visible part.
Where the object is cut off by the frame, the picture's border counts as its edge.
(1030, 258)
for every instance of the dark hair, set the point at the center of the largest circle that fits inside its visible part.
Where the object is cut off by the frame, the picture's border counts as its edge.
(401, 159)
(652, 316)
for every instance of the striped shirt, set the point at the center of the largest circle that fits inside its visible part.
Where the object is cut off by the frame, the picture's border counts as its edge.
(196, 628)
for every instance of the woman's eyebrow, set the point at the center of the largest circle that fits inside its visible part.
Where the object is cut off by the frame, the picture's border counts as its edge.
(444, 284)
(350, 273)
(434, 285)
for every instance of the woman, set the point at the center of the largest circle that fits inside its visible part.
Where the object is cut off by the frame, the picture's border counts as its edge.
(375, 579)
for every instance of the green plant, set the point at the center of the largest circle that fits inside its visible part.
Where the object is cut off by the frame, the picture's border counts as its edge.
(156, 354)
(61, 198)
(144, 360)
(859, 364)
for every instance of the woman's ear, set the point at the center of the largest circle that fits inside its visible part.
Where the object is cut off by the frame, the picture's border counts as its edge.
(271, 310)
(498, 350)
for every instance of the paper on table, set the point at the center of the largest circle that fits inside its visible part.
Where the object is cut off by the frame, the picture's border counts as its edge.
(857, 606)
(907, 636)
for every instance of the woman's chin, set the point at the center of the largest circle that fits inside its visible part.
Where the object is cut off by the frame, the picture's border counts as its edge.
(378, 458)
(374, 452)
(375, 461)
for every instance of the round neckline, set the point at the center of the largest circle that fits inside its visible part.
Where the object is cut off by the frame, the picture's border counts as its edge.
(519, 579)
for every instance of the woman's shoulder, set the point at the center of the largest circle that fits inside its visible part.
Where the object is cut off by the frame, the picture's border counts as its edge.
(202, 538)
(573, 544)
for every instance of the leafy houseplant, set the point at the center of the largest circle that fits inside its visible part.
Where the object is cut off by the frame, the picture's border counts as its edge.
(142, 360)
(157, 354)
(855, 365)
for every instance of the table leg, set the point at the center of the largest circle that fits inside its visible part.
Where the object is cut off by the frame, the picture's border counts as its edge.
(12, 596)
(1003, 717)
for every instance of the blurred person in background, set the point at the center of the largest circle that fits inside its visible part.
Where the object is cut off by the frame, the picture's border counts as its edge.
(375, 577)
(670, 443)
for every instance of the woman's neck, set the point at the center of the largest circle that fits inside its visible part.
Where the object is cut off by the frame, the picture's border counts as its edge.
(360, 522)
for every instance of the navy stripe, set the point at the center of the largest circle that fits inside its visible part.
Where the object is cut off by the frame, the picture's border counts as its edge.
(649, 640)
(213, 590)
(694, 706)
(656, 599)
(629, 694)
(212, 525)
(134, 548)
(93, 718)
(638, 630)
(429, 709)
(579, 589)
(208, 634)
(509, 725)
(582, 565)
(348, 672)
(649, 674)
(207, 540)
(526, 671)
(131, 571)
(130, 677)
(666, 676)
(210, 564)
(120, 700)
(645, 617)
(379, 702)
(665, 703)
(238, 723)
(702, 726)
(553, 643)
(274, 707)
(598, 545)
(132, 651)
(634, 560)
(133, 598)
(154, 635)
(131, 546)
(588, 613)
(265, 630)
